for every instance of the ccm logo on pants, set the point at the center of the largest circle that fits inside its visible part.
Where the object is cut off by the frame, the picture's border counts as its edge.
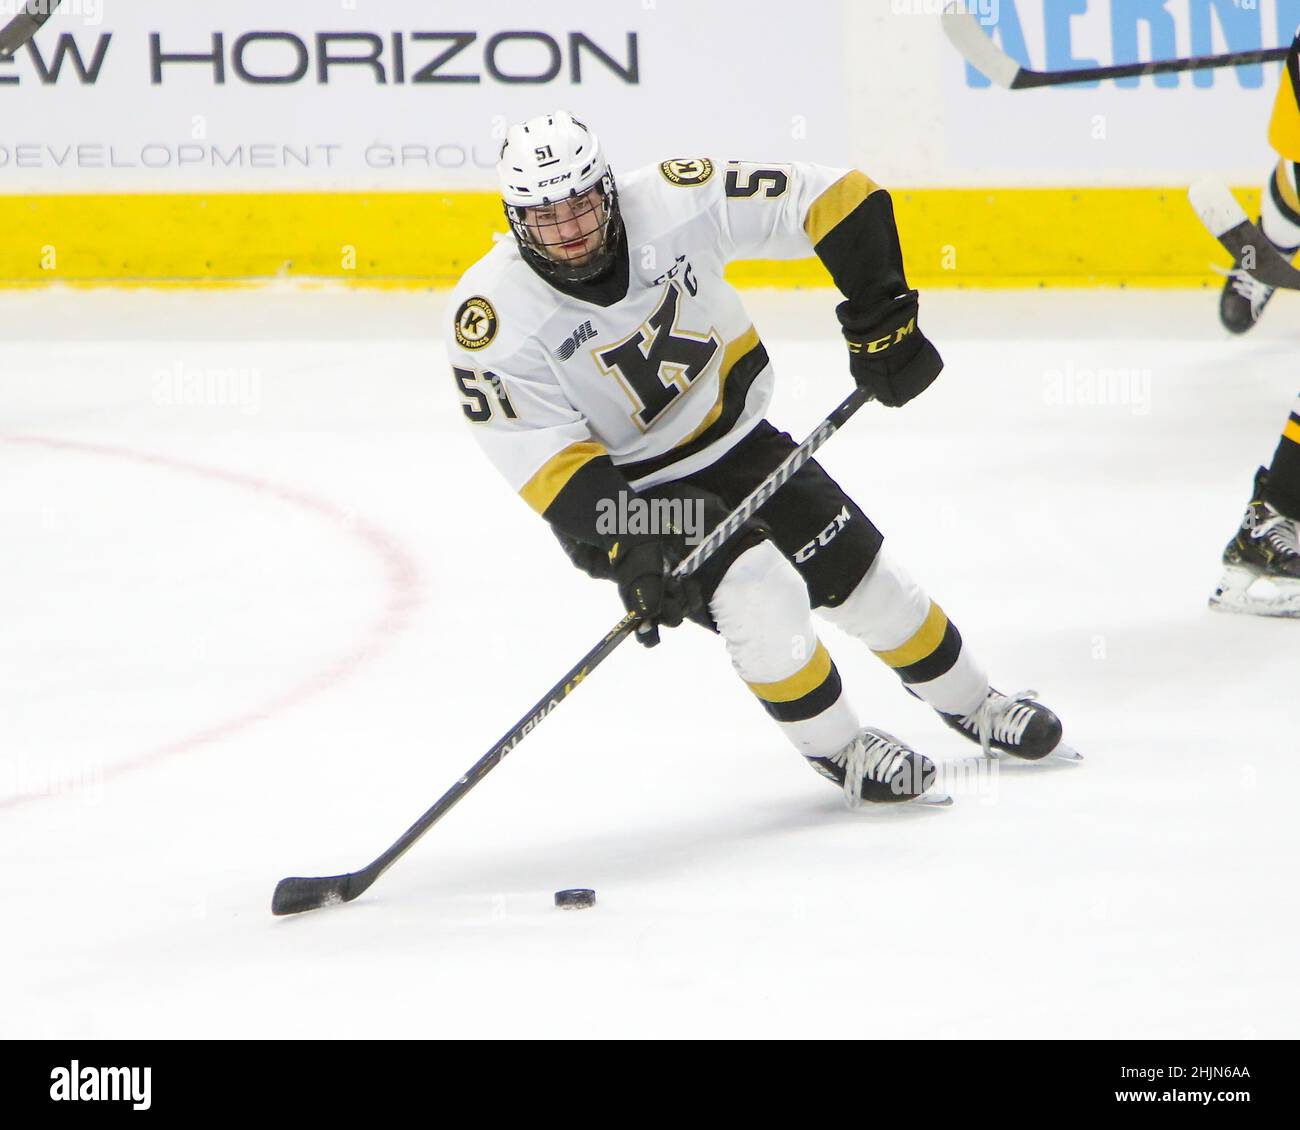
(825, 537)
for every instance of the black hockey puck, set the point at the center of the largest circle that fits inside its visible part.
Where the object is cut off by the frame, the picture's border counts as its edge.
(576, 898)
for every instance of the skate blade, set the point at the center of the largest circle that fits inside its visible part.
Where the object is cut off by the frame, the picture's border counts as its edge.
(1061, 753)
(1246, 594)
(925, 800)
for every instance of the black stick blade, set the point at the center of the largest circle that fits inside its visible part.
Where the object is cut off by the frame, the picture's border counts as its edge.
(293, 896)
(22, 27)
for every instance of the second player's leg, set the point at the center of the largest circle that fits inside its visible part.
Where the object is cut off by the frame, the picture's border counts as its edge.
(1244, 297)
(1261, 564)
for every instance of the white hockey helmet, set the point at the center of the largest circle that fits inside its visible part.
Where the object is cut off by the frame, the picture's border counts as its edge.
(560, 197)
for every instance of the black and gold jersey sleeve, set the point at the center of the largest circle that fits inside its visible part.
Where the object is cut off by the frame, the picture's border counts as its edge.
(571, 487)
(851, 226)
(784, 211)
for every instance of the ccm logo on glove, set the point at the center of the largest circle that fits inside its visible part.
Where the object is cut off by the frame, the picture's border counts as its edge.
(889, 356)
(883, 343)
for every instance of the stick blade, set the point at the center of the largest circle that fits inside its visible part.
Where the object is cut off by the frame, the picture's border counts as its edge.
(1216, 207)
(17, 32)
(1250, 249)
(296, 895)
(21, 28)
(964, 32)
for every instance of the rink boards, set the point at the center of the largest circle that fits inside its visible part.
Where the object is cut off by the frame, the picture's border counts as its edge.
(953, 237)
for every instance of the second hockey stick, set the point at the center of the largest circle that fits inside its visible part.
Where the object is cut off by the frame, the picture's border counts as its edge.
(24, 25)
(295, 895)
(964, 31)
(1249, 247)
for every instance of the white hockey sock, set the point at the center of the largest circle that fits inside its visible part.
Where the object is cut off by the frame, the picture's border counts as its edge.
(892, 615)
(1281, 229)
(761, 608)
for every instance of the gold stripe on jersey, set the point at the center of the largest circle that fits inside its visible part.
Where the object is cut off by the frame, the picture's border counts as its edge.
(837, 202)
(922, 644)
(734, 351)
(808, 678)
(541, 490)
(1284, 129)
(1292, 431)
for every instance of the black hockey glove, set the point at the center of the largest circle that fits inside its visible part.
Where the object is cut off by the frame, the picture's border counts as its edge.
(889, 356)
(641, 567)
(591, 559)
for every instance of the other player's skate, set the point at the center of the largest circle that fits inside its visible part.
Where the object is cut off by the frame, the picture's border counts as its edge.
(1243, 300)
(877, 768)
(1261, 565)
(1013, 724)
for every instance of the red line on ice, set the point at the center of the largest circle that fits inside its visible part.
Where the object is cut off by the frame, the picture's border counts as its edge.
(401, 573)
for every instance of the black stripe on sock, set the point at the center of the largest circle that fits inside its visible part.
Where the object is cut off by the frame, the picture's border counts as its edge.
(810, 705)
(939, 662)
(1287, 211)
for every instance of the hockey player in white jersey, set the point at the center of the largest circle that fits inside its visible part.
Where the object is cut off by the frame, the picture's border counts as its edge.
(603, 361)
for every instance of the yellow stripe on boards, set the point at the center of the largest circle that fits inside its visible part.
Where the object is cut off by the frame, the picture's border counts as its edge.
(927, 637)
(554, 475)
(837, 202)
(804, 681)
(420, 238)
(952, 237)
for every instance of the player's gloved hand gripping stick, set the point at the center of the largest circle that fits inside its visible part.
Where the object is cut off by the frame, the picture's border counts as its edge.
(294, 895)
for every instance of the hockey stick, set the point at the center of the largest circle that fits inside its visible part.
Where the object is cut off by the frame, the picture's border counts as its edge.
(964, 31)
(24, 25)
(1250, 248)
(294, 895)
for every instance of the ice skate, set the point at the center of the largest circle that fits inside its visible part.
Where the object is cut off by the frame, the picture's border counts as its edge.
(1013, 724)
(877, 768)
(1261, 565)
(1242, 301)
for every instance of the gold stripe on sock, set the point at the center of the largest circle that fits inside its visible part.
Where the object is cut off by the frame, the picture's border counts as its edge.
(927, 637)
(808, 678)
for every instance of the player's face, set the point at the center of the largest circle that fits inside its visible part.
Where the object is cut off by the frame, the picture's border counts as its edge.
(570, 231)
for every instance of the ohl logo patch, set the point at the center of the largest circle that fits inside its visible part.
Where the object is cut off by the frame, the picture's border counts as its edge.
(687, 170)
(476, 323)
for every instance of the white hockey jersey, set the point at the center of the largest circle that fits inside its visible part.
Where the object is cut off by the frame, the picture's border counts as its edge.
(665, 380)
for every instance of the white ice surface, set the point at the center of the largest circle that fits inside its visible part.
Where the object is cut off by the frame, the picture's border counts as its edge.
(266, 635)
